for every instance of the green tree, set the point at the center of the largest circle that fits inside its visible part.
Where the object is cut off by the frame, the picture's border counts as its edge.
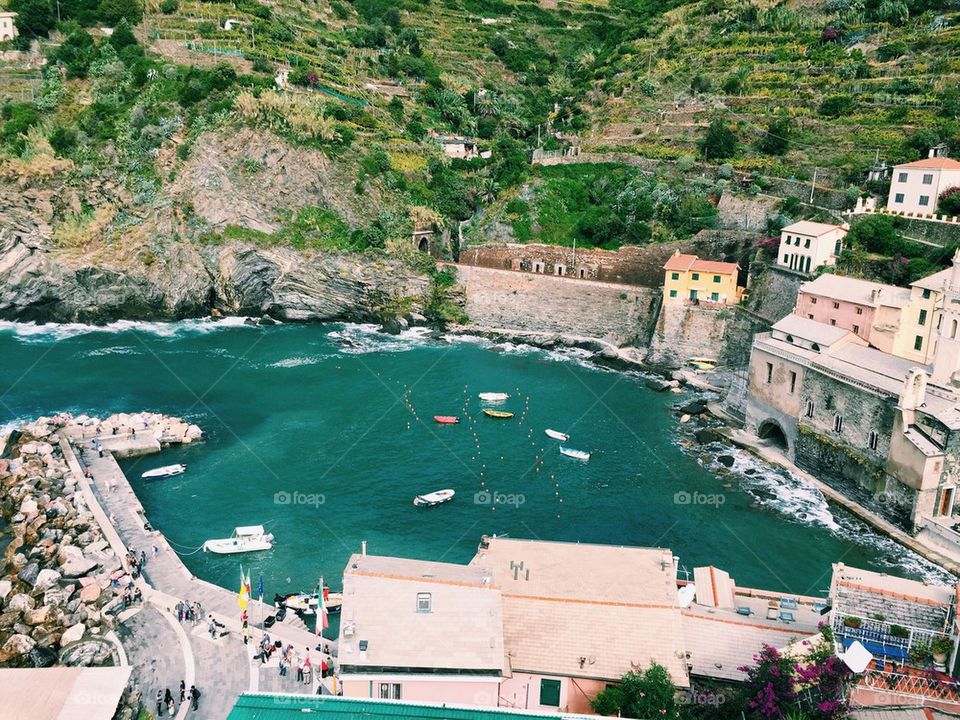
(776, 138)
(837, 105)
(949, 202)
(34, 17)
(112, 11)
(720, 141)
(649, 694)
(122, 36)
(76, 53)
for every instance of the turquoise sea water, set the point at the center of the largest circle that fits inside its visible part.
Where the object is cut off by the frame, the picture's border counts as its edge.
(325, 435)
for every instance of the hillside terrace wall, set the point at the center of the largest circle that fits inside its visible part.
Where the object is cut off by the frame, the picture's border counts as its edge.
(507, 299)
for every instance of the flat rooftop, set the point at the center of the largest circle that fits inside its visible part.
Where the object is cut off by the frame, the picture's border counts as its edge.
(62, 693)
(855, 290)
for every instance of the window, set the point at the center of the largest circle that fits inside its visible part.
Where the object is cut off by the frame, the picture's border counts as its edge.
(716, 278)
(714, 297)
(788, 239)
(924, 200)
(902, 177)
(673, 293)
(793, 381)
(809, 316)
(926, 294)
(874, 439)
(838, 424)
(424, 602)
(918, 342)
(809, 411)
(696, 276)
(550, 692)
(928, 178)
(833, 322)
(674, 276)
(786, 259)
(836, 306)
(922, 320)
(859, 311)
(389, 691)
(898, 198)
(813, 301)
(856, 329)
(769, 372)
(806, 243)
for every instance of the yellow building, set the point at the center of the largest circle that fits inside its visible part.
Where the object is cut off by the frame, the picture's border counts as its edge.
(917, 334)
(690, 280)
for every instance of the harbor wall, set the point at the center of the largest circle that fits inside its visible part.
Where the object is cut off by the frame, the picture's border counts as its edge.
(683, 332)
(512, 300)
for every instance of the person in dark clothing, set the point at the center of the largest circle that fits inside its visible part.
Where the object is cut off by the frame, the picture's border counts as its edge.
(194, 696)
(159, 703)
(183, 691)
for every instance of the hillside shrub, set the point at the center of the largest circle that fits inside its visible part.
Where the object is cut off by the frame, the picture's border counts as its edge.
(949, 202)
(720, 141)
(836, 105)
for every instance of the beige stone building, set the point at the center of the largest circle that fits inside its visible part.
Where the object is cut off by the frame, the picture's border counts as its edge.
(8, 26)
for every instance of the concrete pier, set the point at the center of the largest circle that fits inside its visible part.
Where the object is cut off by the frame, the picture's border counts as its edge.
(223, 667)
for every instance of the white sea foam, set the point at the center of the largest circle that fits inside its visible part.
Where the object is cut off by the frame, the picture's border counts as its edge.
(298, 361)
(112, 350)
(31, 332)
(359, 339)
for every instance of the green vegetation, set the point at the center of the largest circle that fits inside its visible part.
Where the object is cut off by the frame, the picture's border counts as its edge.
(647, 694)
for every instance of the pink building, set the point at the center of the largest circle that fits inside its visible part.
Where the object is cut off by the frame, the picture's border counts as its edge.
(869, 310)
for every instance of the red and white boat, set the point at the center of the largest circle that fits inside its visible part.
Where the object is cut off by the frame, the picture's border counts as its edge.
(446, 419)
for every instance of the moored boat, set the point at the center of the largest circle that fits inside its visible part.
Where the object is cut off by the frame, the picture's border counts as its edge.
(578, 454)
(434, 498)
(306, 603)
(702, 363)
(557, 435)
(165, 471)
(446, 419)
(493, 396)
(500, 414)
(246, 538)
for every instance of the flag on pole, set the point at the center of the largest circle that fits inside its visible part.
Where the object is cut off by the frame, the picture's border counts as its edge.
(322, 621)
(244, 596)
(260, 588)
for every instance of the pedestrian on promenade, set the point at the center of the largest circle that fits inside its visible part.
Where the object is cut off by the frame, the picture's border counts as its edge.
(143, 558)
(100, 451)
(133, 433)
(194, 696)
(212, 627)
(299, 662)
(246, 632)
(171, 707)
(89, 472)
(197, 612)
(168, 699)
(307, 668)
(159, 703)
(183, 691)
(283, 666)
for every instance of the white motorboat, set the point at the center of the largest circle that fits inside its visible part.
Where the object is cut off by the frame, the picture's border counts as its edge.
(557, 435)
(165, 471)
(493, 397)
(578, 454)
(247, 538)
(434, 498)
(306, 603)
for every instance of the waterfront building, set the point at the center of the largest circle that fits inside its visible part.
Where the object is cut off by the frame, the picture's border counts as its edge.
(806, 245)
(690, 280)
(916, 186)
(869, 310)
(881, 429)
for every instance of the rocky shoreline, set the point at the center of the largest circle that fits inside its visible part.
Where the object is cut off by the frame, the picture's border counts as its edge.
(60, 579)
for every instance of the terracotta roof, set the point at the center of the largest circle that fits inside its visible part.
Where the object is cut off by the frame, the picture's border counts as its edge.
(683, 263)
(380, 603)
(564, 601)
(807, 227)
(934, 163)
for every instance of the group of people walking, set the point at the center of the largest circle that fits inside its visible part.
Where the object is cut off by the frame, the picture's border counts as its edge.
(189, 612)
(167, 701)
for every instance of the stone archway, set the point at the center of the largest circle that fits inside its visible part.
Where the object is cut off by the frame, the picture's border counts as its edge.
(772, 431)
(424, 244)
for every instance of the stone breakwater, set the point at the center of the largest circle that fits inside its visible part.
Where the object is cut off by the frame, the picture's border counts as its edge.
(60, 579)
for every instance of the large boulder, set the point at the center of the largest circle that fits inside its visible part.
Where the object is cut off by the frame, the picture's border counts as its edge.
(58, 597)
(72, 634)
(78, 566)
(68, 552)
(43, 657)
(21, 602)
(15, 646)
(5, 587)
(41, 615)
(90, 593)
(46, 579)
(29, 573)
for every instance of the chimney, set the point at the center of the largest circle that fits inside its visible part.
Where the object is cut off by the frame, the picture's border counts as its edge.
(363, 547)
(874, 294)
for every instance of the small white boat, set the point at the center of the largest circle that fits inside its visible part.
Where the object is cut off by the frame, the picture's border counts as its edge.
(557, 435)
(493, 397)
(306, 603)
(578, 454)
(165, 471)
(247, 538)
(434, 498)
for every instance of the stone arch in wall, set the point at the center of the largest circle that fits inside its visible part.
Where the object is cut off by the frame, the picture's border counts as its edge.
(773, 431)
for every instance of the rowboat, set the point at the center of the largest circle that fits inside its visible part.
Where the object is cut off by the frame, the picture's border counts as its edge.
(446, 419)
(246, 538)
(434, 498)
(702, 363)
(497, 413)
(578, 454)
(165, 471)
(493, 397)
(306, 603)
(557, 435)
